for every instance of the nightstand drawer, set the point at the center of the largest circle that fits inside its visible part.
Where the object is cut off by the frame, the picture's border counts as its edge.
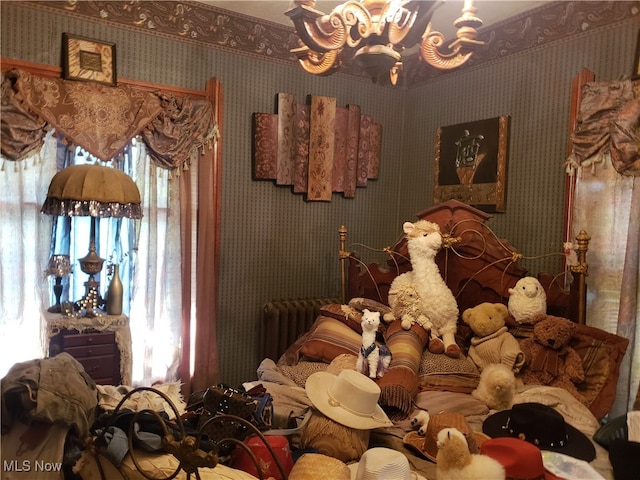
(92, 350)
(86, 339)
(98, 367)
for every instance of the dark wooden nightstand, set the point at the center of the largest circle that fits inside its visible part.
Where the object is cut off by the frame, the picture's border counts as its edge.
(97, 352)
(101, 344)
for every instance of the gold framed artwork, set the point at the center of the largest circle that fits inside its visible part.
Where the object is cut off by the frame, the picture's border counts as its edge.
(471, 163)
(88, 60)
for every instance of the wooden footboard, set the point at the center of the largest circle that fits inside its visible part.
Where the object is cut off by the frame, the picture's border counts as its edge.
(476, 265)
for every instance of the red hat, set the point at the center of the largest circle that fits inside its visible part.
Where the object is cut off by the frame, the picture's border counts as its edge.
(241, 460)
(521, 460)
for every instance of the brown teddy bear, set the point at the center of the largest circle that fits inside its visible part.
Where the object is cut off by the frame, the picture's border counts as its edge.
(492, 342)
(549, 360)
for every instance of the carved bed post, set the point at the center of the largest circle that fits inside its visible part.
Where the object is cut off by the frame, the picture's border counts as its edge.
(581, 78)
(580, 284)
(343, 255)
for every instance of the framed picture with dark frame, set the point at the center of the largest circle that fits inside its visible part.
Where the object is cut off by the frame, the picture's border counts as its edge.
(636, 63)
(471, 163)
(88, 60)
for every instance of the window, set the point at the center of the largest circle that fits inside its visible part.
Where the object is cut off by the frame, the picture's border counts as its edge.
(149, 252)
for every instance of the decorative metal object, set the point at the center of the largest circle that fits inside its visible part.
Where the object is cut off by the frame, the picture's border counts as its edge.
(175, 441)
(92, 191)
(374, 33)
(59, 266)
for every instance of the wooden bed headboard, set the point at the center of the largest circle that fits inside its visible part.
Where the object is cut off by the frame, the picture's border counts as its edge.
(476, 265)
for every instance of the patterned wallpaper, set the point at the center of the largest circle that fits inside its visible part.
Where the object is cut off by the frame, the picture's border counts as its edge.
(276, 246)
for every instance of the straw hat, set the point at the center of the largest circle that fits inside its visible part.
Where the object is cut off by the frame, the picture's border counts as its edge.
(331, 438)
(315, 466)
(349, 398)
(382, 463)
(543, 426)
(427, 446)
(521, 460)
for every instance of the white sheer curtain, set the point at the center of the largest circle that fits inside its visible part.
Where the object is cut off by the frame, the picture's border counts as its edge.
(25, 291)
(606, 206)
(25, 238)
(156, 306)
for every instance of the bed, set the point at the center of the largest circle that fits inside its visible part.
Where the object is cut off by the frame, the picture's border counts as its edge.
(477, 267)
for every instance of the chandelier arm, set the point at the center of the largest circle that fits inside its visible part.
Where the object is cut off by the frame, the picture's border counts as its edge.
(317, 63)
(407, 30)
(323, 33)
(430, 53)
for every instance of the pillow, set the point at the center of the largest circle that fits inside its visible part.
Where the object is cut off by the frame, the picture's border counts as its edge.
(440, 372)
(328, 339)
(440, 363)
(601, 354)
(461, 403)
(360, 303)
(345, 313)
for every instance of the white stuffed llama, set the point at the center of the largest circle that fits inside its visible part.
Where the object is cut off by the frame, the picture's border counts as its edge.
(527, 300)
(373, 359)
(497, 386)
(435, 307)
(454, 461)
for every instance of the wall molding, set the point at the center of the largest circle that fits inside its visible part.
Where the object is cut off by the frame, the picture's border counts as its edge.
(241, 34)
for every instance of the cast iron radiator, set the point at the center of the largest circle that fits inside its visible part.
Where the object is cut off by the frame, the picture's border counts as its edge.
(283, 321)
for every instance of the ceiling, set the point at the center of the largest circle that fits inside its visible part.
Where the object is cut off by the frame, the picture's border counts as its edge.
(490, 11)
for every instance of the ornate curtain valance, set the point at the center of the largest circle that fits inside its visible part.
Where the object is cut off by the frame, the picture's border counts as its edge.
(608, 122)
(101, 119)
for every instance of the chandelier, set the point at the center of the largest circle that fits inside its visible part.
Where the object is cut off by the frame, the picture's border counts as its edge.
(374, 33)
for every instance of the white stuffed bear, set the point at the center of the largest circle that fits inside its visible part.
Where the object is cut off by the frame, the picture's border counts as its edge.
(527, 300)
(435, 308)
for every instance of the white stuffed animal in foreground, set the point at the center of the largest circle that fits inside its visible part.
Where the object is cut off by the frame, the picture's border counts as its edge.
(497, 387)
(436, 309)
(455, 462)
(373, 359)
(421, 419)
(527, 300)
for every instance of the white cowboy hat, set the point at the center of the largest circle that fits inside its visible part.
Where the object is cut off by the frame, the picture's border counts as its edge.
(382, 463)
(349, 398)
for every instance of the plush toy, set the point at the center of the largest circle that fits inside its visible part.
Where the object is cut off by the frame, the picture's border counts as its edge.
(527, 300)
(435, 308)
(420, 419)
(549, 360)
(492, 342)
(406, 306)
(373, 359)
(496, 387)
(454, 460)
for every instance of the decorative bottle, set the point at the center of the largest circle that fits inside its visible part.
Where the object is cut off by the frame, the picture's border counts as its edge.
(114, 293)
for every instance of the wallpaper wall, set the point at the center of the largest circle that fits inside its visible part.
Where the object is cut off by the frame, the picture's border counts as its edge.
(274, 245)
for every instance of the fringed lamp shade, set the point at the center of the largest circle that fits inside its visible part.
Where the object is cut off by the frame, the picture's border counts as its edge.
(92, 191)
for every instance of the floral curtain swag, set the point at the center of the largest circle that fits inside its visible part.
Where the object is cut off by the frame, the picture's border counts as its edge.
(102, 119)
(608, 123)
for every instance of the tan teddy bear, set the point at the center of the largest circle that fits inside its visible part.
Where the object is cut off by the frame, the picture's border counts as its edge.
(492, 342)
(549, 360)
